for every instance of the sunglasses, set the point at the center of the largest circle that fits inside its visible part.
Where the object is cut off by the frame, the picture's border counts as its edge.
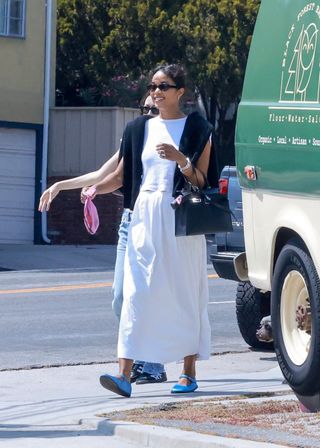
(145, 110)
(163, 86)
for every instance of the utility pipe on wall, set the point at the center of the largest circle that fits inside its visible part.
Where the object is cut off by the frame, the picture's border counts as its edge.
(46, 111)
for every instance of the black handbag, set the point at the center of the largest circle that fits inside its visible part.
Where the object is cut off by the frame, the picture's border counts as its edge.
(201, 211)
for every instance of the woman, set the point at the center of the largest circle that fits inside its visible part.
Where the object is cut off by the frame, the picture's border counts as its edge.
(142, 372)
(164, 315)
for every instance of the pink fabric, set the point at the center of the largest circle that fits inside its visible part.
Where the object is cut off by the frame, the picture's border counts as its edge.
(91, 217)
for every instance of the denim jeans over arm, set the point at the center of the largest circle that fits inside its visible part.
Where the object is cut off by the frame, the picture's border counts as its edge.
(152, 368)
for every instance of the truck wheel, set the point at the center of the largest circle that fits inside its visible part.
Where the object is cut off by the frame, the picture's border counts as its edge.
(251, 306)
(296, 318)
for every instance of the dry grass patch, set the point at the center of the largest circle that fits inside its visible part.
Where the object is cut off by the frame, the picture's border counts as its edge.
(268, 413)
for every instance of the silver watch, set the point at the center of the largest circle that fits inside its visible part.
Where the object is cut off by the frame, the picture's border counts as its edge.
(186, 167)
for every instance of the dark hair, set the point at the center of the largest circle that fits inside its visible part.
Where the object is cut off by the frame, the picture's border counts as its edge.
(175, 71)
(143, 99)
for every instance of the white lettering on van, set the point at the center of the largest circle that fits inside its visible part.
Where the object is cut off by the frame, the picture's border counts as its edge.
(300, 81)
(296, 118)
(285, 54)
(315, 142)
(299, 141)
(275, 118)
(314, 119)
(286, 50)
(265, 140)
(291, 31)
(307, 8)
(282, 140)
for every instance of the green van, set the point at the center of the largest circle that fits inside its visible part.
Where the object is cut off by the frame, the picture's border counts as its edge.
(278, 165)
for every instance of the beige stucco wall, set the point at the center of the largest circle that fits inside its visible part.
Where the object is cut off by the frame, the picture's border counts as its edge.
(22, 69)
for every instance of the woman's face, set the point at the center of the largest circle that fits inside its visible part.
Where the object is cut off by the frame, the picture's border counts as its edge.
(149, 108)
(165, 99)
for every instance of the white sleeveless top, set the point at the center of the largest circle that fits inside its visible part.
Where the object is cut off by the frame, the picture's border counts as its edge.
(158, 173)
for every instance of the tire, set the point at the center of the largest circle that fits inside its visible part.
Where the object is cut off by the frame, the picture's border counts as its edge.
(296, 283)
(251, 306)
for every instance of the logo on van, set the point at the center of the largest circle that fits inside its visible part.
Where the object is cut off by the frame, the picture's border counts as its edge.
(300, 79)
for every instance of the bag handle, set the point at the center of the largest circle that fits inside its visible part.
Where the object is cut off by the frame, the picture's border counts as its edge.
(197, 187)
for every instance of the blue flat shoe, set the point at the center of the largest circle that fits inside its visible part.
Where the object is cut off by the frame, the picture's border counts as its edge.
(181, 389)
(120, 386)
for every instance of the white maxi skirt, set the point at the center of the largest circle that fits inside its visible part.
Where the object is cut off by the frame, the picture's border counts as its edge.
(164, 314)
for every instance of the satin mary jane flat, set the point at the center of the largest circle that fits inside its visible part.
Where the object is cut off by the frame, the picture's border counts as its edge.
(181, 389)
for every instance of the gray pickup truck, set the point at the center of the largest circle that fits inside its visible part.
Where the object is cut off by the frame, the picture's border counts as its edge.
(251, 304)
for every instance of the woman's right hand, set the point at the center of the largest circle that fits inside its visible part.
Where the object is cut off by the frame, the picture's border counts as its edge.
(85, 191)
(47, 197)
(83, 195)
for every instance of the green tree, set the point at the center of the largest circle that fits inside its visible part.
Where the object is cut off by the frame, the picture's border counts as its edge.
(214, 39)
(81, 28)
(107, 47)
(141, 35)
(210, 37)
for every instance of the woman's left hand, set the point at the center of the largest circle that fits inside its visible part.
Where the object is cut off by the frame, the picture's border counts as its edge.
(169, 152)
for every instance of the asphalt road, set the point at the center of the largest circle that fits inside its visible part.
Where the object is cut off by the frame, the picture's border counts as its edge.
(50, 317)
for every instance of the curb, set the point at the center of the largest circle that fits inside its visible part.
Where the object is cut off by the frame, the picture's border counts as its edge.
(163, 437)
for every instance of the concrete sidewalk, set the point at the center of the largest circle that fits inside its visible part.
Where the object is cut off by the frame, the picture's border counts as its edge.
(59, 257)
(60, 407)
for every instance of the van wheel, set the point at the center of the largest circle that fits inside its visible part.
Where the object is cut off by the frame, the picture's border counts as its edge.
(251, 306)
(296, 318)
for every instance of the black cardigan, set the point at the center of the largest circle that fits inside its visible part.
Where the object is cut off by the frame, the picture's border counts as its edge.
(195, 135)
